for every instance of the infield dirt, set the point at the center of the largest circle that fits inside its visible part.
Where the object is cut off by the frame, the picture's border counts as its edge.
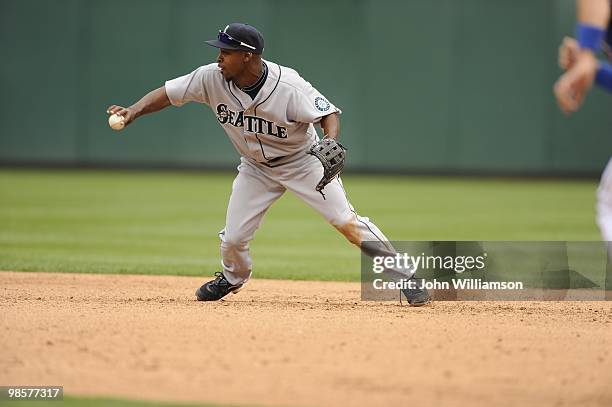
(296, 343)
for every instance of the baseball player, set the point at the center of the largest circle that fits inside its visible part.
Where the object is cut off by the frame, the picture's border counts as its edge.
(268, 112)
(578, 58)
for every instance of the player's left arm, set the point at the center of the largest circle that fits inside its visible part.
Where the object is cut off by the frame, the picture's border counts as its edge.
(331, 125)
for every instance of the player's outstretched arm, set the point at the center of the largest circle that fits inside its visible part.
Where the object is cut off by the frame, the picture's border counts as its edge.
(331, 125)
(572, 87)
(594, 13)
(152, 102)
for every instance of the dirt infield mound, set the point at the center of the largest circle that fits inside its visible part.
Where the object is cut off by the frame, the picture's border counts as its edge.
(292, 344)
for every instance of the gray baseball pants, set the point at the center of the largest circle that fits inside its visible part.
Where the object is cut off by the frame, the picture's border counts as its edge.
(258, 186)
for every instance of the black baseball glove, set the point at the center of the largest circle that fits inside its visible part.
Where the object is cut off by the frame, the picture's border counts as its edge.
(333, 156)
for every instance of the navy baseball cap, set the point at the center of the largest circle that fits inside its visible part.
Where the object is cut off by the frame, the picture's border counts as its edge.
(241, 37)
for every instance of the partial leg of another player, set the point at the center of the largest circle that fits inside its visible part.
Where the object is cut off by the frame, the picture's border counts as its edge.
(604, 220)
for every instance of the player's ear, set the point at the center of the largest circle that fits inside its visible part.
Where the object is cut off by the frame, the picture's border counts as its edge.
(248, 56)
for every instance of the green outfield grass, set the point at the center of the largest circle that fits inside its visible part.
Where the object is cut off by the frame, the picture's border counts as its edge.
(167, 222)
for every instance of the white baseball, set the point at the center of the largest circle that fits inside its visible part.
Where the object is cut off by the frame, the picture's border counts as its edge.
(116, 122)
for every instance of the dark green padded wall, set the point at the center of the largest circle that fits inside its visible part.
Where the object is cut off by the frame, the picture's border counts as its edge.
(425, 85)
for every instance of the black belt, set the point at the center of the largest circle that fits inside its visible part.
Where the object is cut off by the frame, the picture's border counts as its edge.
(273, 160)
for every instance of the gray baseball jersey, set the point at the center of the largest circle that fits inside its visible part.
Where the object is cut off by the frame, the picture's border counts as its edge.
(277, 123)
(272, 134)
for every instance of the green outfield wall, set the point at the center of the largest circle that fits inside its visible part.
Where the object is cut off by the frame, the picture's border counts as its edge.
(425, 85)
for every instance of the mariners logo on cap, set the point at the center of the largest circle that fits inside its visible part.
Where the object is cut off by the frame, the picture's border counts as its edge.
(322, 104)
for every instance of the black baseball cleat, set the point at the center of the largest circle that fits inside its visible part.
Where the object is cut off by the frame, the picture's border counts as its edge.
(417, 296)
(216, 289)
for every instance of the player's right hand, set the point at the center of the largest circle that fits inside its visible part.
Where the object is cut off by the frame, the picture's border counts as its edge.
(568, 52)
(128, 114)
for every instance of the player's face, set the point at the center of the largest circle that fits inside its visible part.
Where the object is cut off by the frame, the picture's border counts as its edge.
(232, 63)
